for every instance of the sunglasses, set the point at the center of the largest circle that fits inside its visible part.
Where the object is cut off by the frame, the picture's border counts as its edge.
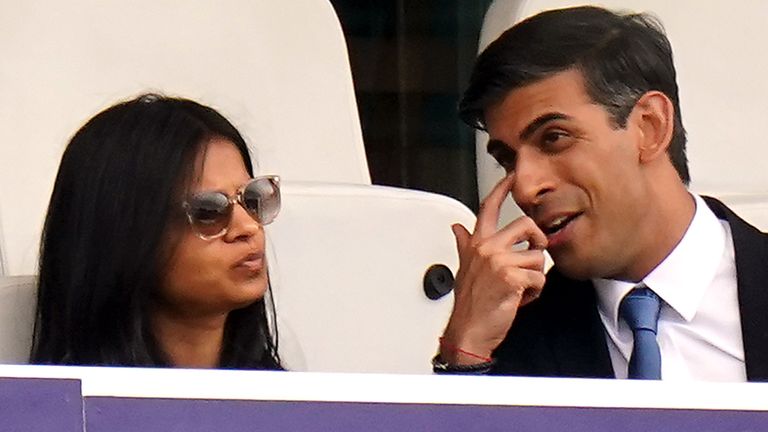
(209, 213)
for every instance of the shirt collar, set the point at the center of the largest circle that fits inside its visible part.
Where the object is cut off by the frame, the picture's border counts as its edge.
(683, 277)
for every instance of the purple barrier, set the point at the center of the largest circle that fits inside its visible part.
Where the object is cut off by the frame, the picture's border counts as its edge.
(40, 405)
(108, 414)
(69, 399)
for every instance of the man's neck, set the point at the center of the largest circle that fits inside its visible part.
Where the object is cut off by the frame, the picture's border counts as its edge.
(667, 221)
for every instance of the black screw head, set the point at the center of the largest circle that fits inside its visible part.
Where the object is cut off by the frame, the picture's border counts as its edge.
(438, 281)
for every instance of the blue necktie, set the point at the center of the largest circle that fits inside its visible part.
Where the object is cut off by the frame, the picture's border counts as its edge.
(640, 309)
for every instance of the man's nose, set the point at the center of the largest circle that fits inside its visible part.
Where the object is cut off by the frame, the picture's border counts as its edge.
(534, 178)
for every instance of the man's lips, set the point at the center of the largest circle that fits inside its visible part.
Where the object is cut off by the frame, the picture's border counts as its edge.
(556, 227)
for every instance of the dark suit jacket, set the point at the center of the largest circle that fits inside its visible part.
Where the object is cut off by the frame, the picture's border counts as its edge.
(561, 334)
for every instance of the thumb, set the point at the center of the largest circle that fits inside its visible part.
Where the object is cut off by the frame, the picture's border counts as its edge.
(462, 239)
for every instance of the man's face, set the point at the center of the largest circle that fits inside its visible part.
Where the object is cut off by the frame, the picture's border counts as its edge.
(576, 174)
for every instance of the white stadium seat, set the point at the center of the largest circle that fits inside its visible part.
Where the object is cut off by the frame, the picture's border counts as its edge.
(347, 266)
(17, 317)
(278, 69)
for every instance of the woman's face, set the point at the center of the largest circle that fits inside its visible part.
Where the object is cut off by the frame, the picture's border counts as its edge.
(216, 276)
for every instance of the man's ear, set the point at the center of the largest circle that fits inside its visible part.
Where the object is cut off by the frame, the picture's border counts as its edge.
(653, 115)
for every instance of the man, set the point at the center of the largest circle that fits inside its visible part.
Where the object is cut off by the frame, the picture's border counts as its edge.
(581, 107)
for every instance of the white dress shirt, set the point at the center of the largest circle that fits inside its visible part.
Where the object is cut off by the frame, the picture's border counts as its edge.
(699, 331)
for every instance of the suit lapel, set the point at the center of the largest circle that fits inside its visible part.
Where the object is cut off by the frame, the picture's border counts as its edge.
(577, 334)
(751, 251)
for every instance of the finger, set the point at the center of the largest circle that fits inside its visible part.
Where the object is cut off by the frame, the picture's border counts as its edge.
(488, 216)
(519, 282)
(519, 230)
(529, 296)
(462, 240)
(526, 259)
(534, 291)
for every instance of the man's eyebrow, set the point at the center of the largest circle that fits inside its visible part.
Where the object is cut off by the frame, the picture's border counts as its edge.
(539, 122)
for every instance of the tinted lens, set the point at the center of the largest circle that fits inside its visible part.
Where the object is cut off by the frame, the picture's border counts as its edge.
(261, 197)
(209, 212)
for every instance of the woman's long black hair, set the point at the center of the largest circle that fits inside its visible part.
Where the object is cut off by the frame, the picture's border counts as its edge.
(105, 240)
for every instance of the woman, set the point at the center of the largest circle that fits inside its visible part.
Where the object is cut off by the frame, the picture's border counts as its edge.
(152, 252)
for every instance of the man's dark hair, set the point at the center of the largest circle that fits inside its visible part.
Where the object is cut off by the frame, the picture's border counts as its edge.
(621, 56)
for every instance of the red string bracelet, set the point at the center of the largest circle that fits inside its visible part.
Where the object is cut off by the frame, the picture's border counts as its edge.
(443, 344)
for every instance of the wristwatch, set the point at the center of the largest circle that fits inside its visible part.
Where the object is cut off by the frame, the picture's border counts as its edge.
(441, 367)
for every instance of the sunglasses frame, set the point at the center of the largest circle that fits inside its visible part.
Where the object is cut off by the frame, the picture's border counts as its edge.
(231, 201)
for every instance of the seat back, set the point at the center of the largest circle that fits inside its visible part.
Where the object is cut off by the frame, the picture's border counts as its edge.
(713, 42)
(278, 69)
(17, 317)
(348, 269)
(347, 265)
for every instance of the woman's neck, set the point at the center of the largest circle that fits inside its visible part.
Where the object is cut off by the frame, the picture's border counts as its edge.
(189, 342)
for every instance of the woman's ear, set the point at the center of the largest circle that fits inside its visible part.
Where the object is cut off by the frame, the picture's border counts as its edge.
(653, 115)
